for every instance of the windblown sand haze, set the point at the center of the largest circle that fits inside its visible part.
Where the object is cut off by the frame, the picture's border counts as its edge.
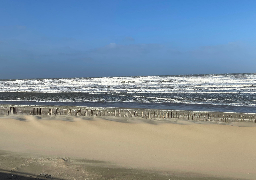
(226, 151)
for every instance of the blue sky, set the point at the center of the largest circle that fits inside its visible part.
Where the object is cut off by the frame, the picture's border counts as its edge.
(60, 38)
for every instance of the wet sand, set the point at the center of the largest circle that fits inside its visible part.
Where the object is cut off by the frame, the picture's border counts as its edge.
(68, 147)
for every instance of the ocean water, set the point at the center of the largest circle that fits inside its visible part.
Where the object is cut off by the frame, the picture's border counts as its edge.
(213, 92)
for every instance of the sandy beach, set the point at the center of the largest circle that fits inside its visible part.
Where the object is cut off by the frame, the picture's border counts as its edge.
(65, 147)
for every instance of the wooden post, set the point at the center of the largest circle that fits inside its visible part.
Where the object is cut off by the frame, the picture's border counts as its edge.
(50, 112)
(56, 111)
(11, 110)
(14, 110)
(80, 112)
(77, 112)
(34, 111)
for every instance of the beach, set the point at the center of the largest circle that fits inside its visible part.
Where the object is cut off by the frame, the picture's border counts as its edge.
(127, 90)
(69, 147)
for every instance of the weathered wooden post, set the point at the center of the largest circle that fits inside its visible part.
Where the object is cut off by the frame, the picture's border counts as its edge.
(34, 111)
(11, 110)
(14, 110)
(50, 112)
(129, 114)
(56, 111)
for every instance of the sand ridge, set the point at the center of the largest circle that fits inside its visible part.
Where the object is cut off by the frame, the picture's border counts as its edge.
(219, 150)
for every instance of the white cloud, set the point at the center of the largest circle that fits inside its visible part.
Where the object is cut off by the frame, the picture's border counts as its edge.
(111, 45)
(132, 49)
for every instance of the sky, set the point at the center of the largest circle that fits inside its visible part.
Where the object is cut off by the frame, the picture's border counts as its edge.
(95, 38)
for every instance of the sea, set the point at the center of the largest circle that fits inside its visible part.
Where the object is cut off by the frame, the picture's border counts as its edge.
(201, 92)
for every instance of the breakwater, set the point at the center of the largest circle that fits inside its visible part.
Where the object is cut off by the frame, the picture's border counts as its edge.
(157, 114)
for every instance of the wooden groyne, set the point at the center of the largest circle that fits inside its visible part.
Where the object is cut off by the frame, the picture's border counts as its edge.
(6, 110)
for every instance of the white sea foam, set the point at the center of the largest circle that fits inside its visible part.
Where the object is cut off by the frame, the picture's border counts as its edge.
(241, 83)
(228, 89)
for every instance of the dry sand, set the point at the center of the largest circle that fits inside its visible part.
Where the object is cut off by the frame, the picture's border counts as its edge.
(94, 148)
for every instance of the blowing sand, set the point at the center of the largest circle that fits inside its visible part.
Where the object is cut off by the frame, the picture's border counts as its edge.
(126, 148)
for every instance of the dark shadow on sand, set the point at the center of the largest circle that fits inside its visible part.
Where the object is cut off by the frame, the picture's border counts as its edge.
(6, 175)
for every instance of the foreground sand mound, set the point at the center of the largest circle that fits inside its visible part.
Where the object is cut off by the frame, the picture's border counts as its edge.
(219, 150)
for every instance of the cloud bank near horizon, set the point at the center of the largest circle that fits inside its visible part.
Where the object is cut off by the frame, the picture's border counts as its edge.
(22, 60)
